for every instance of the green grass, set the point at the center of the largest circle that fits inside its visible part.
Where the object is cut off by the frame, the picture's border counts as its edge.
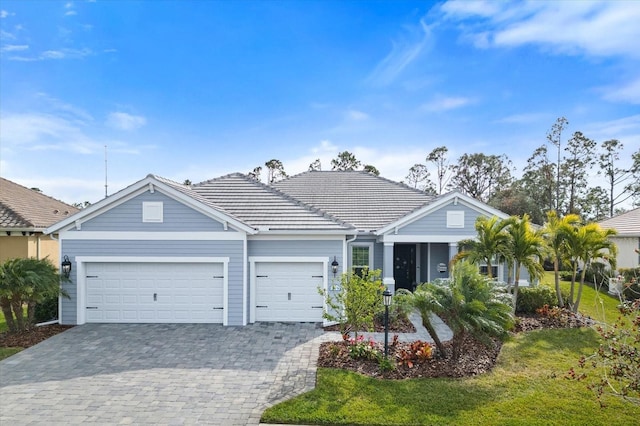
(527, 387)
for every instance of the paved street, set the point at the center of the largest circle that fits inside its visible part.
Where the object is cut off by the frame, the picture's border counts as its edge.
(159, 374)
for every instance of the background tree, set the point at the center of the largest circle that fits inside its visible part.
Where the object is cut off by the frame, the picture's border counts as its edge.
(482, 176)
(539, 182)
(555, 137)
(371, 169)
(81, 205)
(595, 204)
(443, 169)
(187, 182)
(516, 201)
(345, 161)
(580, 157)
(315, 165)
(418, 178)
(275, 171)
(255, 173)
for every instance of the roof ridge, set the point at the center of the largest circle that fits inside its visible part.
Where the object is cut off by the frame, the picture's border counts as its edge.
(219, 178)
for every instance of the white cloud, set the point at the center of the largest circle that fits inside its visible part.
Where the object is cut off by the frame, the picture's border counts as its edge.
(39, 131)
(526, 118)
(14, 47)
(629, 92)
(402, 54)
(446, 103)
(7, 35)
(67, 110)
(4, 14)
(355, 115)
(124, 121)
(597, 28)
(54, 55)
(70, 13)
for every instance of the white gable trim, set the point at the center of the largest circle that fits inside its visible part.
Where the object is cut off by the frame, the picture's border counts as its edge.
(454, 197)
(391, 238)
(141, 187)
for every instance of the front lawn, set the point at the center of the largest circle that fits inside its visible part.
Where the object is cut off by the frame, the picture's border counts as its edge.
(6, 352)
(527, 387)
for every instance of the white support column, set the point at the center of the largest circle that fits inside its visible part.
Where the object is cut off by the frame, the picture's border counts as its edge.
(453, 250)
(387, 267)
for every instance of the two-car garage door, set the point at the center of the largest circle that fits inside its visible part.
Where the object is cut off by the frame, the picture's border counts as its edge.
(154, 292)
(288, 291)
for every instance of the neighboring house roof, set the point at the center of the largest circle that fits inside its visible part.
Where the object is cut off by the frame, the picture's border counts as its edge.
(25, 209)
(366, 201)
(627, 224)
(263, 206)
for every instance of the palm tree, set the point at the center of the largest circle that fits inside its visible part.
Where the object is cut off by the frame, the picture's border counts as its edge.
(525, 247)
(424, 300)
(471, 305)
(556, 231)
(27, 281)
(585, 244)
(490, 243)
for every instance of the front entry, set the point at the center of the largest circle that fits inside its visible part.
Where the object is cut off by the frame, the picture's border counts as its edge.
(404, 266)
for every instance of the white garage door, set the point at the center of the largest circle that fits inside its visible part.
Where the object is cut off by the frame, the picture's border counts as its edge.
(154, 292)
(289, 291)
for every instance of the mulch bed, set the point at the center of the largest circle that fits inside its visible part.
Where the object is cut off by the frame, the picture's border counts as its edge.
(400, 324)
(31, 337)
(476, 358)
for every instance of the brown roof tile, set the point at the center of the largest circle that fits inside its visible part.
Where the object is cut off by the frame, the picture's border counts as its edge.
(24, 208)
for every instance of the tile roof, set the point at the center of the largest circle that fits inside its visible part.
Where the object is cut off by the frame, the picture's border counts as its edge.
(366, 201)
(263, 206)
(627, 224)
(25, 209)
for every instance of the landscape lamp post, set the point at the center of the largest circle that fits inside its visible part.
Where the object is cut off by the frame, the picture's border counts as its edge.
(386, 299)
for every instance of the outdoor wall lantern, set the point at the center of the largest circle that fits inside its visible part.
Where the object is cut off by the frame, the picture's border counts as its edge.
(386, 299)
(334, 266)
(66, 266)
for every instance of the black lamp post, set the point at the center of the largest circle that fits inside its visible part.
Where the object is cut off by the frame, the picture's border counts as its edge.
(334, 266)
(66, 266)
(386, 299)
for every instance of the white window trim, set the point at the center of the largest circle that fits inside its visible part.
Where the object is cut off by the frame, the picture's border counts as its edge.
(369, 245)
(152, 211)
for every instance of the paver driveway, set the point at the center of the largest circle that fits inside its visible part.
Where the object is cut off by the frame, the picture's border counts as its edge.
(159, 374)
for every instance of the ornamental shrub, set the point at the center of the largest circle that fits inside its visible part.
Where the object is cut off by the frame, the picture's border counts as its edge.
(531, 299)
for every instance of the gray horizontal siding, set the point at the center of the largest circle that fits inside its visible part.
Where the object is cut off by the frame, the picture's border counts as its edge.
(231, 249)
(128, 217)
(435, 223)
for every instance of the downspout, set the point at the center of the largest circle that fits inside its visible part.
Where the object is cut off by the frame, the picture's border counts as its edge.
(345, 251)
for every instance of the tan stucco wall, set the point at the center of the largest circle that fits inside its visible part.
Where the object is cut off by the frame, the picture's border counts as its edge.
(38, 246)
(13, 247)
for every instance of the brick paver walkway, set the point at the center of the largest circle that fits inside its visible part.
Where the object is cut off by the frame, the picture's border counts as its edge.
(159, 374)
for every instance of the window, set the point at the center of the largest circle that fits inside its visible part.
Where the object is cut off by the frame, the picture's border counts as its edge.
(152, 211)
(455, 219)
(485, 271)
(361, 257)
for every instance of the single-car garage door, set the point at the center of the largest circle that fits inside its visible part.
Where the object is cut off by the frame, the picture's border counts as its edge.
(288, 291)
(154, 292)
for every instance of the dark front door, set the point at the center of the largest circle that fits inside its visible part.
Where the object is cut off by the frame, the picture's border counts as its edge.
(404, 266)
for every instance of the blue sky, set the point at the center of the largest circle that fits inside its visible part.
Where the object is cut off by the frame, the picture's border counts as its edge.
(198, 89)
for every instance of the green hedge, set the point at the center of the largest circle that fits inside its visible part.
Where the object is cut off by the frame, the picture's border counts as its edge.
(47, 310)
(532, 298)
